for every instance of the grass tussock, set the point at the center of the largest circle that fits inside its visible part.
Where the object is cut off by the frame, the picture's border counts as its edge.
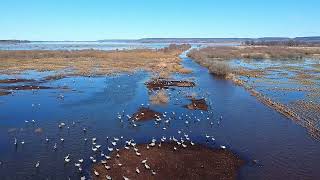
(215, 66)
(219, 68)
(95, 62)
(159, 98)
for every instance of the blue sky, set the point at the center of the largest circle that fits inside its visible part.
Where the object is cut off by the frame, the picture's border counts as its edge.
(131, 19)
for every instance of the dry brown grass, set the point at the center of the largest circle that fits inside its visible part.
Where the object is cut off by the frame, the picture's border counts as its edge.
(310, 114)
(216, 67)
(255, 52)
(250, 73)
(219, 68)
(160, 98)
(216, 58)
(305, 78)
(94, 62)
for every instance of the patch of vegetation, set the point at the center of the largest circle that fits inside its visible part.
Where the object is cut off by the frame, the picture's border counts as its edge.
(254, 52)
(159, 98)
(289, 42)
(95, 62)
(206, 59)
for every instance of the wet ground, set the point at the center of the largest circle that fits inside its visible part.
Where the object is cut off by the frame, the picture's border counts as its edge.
(292, 84)
(272, 146)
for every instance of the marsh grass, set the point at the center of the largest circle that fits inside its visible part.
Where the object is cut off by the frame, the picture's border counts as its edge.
(95, 62)
(216, 59)
(255, 52)
(215, 66)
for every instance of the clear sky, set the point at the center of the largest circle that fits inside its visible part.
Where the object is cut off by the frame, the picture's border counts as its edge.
(132, 19)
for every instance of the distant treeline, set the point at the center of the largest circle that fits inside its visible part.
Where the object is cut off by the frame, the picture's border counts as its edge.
(14, 41)
(291, 42)
(297, 41)
(191, 40)
(173, 47)
(284, 41)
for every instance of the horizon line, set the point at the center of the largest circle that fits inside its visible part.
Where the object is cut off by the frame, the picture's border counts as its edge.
(148, 38)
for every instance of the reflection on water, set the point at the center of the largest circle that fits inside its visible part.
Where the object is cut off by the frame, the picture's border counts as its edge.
(282, 149)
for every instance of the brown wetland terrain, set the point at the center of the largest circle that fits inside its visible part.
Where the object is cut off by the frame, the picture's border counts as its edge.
(163, 95)
(95, 62)
(159, 90)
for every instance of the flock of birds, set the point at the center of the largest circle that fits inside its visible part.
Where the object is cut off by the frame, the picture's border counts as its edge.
(101, 153)
(113, 143)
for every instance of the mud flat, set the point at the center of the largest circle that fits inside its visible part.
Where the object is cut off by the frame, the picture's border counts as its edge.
(4, 93)
(157, 84)
(54, 77)
(25, 87)
(23, 84)
(144, 114)
(192, 162)
(10, 81)
(197, 104)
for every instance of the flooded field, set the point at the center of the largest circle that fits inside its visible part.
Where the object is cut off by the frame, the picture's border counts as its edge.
(284, 78)
(51, 45)
(294, 85)
(48, 124)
